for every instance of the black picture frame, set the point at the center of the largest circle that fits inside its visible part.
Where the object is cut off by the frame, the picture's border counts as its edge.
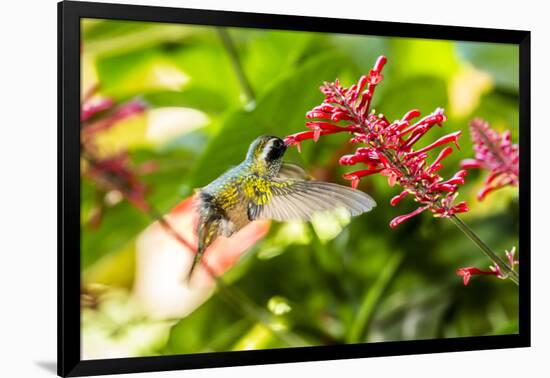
(69, 359)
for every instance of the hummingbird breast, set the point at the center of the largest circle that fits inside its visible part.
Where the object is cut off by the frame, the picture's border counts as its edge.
(225, 198)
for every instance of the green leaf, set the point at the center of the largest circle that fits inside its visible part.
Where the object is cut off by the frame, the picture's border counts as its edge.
(281, 111)
(139, 72)
(197, 332)
(209, 69)
(425, 93)
(267, 55)
(208, 100)
(422, 57)
(258, 337)
(115, 37)
(362, 50)
(194, 75)
(411, 312)
(115, 269)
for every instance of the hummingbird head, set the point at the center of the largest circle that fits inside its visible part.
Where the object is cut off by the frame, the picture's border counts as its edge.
(266, 149)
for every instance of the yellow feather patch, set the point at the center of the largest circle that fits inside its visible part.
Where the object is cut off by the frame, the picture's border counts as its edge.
(257, 189)
(229, 196)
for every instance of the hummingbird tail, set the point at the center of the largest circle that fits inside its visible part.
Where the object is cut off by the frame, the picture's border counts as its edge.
(196, 261)
(207, 232)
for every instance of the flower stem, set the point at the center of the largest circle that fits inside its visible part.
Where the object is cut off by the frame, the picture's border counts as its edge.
(485, 248)
(229, 46)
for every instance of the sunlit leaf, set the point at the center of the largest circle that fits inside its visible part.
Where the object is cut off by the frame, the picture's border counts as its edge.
(141, 71)
(499, 60)
(423, 57)
(166, 123)
(102, 37)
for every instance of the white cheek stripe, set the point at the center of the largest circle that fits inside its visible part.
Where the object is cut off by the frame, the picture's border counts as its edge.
(266, 149)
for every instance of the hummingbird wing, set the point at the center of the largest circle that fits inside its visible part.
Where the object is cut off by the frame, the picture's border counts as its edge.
(293, 171)
(300, 199)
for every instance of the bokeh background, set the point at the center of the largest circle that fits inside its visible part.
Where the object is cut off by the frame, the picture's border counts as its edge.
(333, 281)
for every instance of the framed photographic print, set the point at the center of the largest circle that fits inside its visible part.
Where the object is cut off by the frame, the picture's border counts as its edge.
(239, 188)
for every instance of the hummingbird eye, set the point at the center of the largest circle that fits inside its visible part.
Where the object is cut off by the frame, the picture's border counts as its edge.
(275, 149)
(278, 143)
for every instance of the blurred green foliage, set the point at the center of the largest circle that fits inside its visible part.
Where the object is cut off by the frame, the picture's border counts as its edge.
(368, 282)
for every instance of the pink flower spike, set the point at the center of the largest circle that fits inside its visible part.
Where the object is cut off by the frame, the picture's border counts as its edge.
(495, 153)
(402, 218)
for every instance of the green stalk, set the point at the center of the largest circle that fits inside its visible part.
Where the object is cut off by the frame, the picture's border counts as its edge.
(372, 297)
(485, 248)
(229, 46)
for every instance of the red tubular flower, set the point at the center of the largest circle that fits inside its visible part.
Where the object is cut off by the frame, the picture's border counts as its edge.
(468, 272)
(494, 269)
(388, 146)
(496, 153)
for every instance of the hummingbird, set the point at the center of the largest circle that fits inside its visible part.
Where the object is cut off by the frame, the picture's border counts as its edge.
(265, 187)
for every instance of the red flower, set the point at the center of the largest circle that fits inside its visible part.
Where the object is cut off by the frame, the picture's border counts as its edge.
(468, 272)
(100, 114)
(388, 146)
(496, 153)
(114, 172)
